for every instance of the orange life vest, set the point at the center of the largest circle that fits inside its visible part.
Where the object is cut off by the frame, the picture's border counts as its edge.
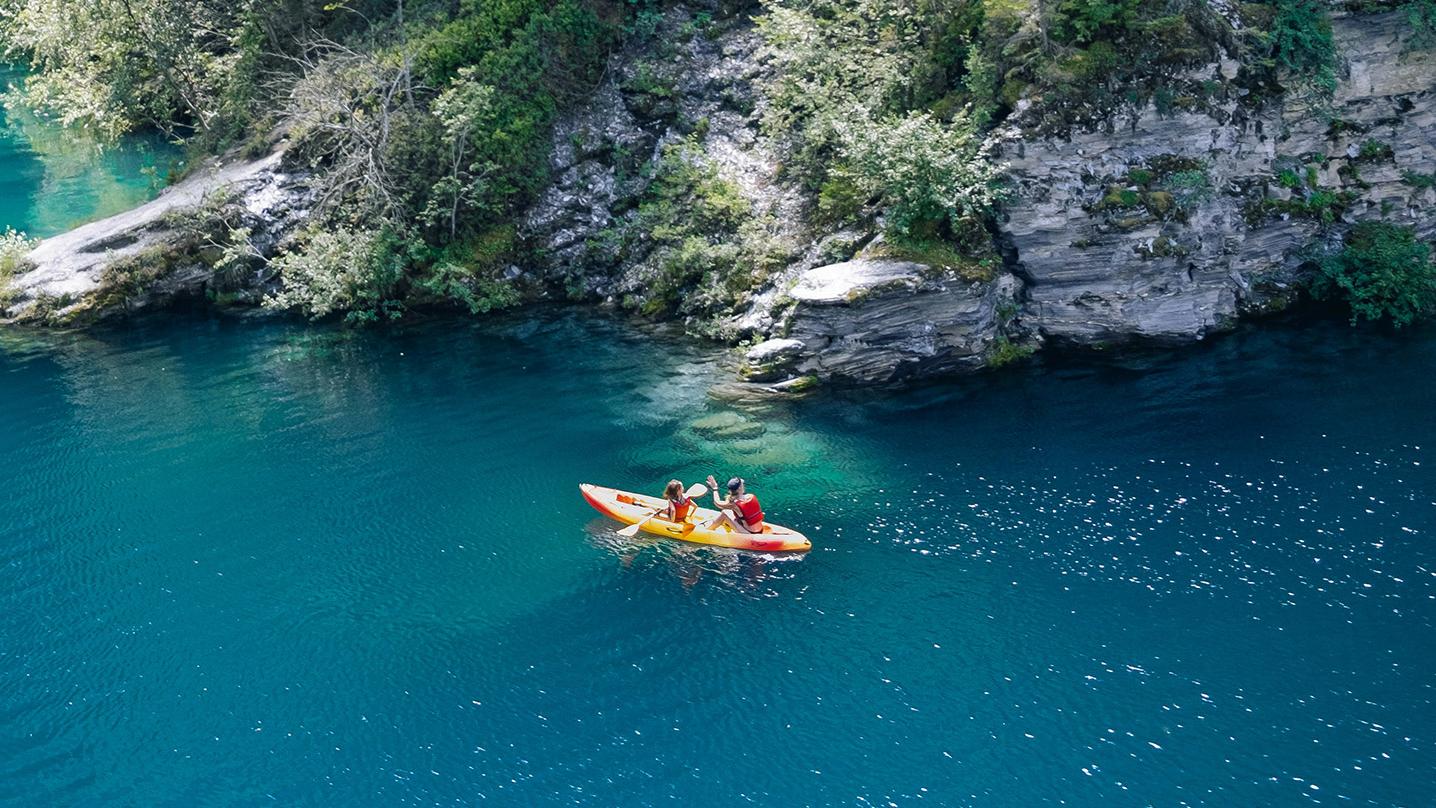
(752, 512)
(681, 508)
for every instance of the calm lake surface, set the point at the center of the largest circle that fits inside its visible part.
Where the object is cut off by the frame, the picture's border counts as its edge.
(250, 562)
(52, 180)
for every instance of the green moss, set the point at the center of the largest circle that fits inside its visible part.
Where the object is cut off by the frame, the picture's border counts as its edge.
(1375, 151)
(1160, 203)
(124, 279)
(1119, 198)
(800, 385)
(1419, 181)
(942, 256)
(1004, 352)
(1322, 205)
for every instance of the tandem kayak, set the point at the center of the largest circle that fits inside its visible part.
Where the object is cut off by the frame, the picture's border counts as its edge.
(629, 508)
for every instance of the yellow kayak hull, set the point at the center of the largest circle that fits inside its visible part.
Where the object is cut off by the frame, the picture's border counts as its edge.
(628, 508)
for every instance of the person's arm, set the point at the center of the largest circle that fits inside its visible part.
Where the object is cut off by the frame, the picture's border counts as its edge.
(718, 502)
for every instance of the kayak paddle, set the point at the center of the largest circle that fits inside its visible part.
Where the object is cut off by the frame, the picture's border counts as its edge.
(694, 491)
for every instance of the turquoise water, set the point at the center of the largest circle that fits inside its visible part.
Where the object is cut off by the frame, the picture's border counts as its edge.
(52, 180)
(244, 563)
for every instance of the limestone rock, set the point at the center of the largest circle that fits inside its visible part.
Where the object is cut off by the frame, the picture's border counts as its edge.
(882, 321)
(66, 270)
(1105, 267)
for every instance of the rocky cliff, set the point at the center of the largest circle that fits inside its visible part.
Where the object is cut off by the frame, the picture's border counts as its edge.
(1163, 225)
(1168, 224)
(1172, 226)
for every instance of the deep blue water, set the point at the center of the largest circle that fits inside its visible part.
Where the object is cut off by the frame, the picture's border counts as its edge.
(245, 562)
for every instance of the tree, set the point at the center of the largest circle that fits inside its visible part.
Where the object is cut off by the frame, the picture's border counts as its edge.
(112, 65)
(928, 173)
(466, 110)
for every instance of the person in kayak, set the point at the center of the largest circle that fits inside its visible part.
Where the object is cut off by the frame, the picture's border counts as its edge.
(679, 503)
(740, 510)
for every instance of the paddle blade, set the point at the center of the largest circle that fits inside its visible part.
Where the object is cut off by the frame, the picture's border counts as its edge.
(632, 530)
(696, 490)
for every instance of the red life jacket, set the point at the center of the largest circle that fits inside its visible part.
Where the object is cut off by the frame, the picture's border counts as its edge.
(681, 508)
(751, 511)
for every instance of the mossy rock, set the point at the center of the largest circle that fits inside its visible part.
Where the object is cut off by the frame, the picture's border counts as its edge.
(1160, 203)
(799, 386)
(1118, 198)
(1131, 222)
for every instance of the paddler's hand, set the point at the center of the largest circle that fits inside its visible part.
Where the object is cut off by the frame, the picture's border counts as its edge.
(712, 484)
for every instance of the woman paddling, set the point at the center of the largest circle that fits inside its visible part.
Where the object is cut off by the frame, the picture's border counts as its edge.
(679, 503)
(740, 510)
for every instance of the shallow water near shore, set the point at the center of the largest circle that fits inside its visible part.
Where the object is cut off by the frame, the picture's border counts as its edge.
(53, 179)
(246, 562)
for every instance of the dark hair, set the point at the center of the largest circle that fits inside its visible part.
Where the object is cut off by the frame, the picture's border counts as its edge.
(735, 483)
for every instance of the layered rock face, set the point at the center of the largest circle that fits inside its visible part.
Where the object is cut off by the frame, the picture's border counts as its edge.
(691, 81)
(73, 275)
(1172, 226)
(882, 321)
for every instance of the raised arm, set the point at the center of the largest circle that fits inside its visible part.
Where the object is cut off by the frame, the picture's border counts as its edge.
(718, 501)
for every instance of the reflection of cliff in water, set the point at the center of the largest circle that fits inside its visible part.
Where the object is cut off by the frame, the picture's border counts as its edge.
(53, 179)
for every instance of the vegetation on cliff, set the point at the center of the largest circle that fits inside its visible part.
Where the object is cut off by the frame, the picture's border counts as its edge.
(13, 247)
(427, 124)
(1383, 272)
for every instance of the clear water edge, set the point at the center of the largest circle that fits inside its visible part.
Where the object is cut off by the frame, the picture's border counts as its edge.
(53, 179)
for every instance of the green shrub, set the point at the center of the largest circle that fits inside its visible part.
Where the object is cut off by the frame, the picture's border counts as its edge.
(981, 84)
(14, 246)
(927, 173)
(840, 199)
(1421, 14)
(1382, 272)
(696, 239)
(1084, 21)
(1004, 352)
(341, 270)
(468, 273)
(465, 286)
(1301, 43)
